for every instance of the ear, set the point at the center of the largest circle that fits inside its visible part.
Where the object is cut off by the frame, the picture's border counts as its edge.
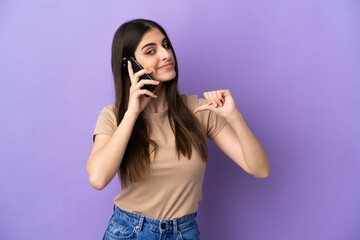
(124, 65)
(123, 62)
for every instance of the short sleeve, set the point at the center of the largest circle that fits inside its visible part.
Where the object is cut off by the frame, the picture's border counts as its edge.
(211, 122)
(106, 122)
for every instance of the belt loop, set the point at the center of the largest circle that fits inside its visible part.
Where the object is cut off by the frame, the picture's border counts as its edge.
(141, 222)
(114, 207)
(175, 227)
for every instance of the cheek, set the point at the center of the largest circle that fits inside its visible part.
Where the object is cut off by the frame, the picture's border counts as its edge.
(145, 62)
(149, 65)
(164, 76)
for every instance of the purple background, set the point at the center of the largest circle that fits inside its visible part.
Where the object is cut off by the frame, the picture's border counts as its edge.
(293, 69)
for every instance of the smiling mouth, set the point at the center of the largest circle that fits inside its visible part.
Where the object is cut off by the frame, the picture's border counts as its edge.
(167, 66)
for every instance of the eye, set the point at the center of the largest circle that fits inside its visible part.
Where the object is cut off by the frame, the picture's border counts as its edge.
(150, 52)
(166, 45)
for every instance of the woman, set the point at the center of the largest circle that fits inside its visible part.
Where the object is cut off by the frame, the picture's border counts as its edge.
(156, 141)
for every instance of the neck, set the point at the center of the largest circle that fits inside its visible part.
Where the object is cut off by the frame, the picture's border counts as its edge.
(158, 104)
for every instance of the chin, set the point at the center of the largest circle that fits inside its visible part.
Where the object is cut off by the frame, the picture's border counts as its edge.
(166, 77)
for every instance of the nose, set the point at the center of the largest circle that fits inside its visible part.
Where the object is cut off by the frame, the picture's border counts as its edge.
(164, 53)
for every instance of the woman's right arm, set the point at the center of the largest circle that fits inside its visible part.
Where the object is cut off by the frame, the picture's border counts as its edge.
(107, 153)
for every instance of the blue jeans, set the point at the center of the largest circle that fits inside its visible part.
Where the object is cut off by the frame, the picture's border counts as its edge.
(126, 225)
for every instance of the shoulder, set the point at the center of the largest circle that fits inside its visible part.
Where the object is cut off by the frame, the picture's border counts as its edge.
(109, 109)
(192, 101)
(106, 121)
(109, 112)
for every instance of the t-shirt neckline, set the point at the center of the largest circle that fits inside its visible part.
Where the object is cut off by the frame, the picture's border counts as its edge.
(156, 114)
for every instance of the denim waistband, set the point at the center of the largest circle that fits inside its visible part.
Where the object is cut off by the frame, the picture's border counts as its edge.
(156, 225)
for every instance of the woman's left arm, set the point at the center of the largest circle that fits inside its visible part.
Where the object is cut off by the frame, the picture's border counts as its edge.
(236, 139)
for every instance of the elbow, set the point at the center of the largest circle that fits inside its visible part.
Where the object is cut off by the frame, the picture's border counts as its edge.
(94, 180)
(95, 183)
(262, 175)
(264, 171)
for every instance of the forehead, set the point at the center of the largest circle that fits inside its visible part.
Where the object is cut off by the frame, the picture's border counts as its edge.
(152, 36)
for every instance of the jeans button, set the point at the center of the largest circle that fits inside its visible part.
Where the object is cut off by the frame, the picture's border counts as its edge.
(163, 225)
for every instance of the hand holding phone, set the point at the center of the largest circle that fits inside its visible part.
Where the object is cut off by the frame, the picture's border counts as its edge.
(137, 67)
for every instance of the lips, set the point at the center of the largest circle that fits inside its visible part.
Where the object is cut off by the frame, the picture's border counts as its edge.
(165, 66)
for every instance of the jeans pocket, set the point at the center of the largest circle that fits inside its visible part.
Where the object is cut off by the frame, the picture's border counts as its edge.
(119, 228)
(190, 233)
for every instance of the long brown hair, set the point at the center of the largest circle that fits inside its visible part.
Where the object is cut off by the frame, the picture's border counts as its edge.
(186, 128)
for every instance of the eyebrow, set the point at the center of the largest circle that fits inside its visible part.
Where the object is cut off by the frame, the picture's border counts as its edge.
(152, 44)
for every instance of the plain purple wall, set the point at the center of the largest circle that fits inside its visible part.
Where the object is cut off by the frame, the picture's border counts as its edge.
(293, 69)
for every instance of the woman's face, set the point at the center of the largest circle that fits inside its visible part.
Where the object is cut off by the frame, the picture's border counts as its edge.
(154, 53)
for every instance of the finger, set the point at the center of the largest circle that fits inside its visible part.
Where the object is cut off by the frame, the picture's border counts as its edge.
(141, 72)
(201, 108)
(143, 82)
(131, 73)
(206, 96)
(145, 92)
(218, 97)
(213, 99)
(226, 92)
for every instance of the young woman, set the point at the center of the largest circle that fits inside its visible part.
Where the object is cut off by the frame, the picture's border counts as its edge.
(156, 141)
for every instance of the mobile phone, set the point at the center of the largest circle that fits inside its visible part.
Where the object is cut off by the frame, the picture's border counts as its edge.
(137, 67)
